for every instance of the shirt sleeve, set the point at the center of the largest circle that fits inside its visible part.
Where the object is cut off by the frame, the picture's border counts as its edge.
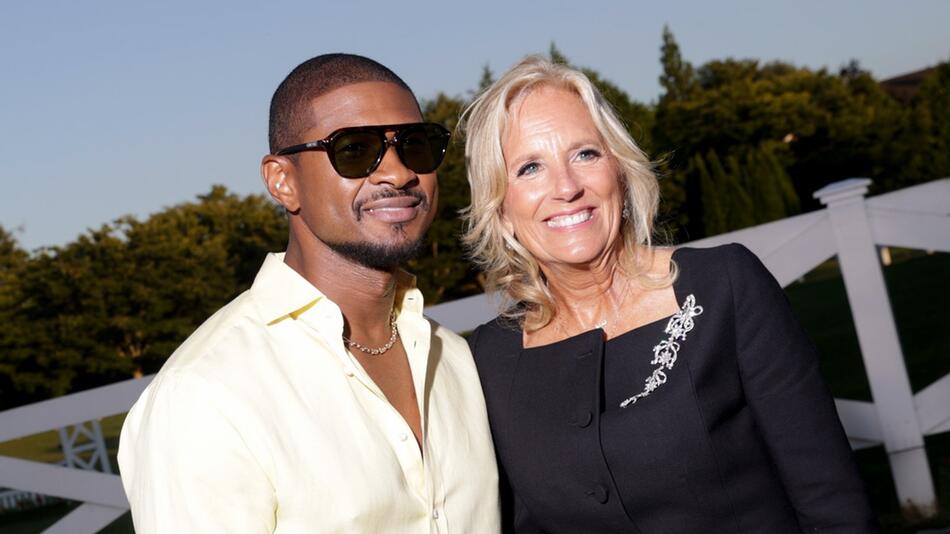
(792, 406)
(186, 468)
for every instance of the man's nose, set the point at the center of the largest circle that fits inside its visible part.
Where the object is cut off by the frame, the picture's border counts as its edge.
(392, 170)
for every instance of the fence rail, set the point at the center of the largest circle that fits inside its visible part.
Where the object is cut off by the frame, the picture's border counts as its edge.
(850, 227)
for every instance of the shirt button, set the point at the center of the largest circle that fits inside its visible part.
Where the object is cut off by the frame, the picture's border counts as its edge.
(435, 514)
(583, 418)
(403, 437)
(598, 493)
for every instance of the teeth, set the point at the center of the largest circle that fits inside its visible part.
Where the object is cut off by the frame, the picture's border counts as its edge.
(569, 220)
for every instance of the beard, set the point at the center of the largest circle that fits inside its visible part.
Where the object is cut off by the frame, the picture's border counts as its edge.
(384, 257)
(376, 256)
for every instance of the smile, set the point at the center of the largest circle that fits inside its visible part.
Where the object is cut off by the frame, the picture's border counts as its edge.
(393, 210)
(563, 221)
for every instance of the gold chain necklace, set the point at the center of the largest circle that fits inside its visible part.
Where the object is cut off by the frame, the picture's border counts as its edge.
(389, 344)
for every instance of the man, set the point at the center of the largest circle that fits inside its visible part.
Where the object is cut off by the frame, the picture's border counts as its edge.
(321, 399)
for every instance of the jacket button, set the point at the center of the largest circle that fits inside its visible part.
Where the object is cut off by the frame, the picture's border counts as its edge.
(598, 493)
(583, 418)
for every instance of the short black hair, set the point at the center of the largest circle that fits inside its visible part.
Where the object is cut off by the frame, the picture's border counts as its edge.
(289, 107)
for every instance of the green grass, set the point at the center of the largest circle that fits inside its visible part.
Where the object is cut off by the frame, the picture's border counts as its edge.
(44, 447)
(919, 287)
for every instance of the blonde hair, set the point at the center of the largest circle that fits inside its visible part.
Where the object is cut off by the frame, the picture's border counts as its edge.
(507, 265)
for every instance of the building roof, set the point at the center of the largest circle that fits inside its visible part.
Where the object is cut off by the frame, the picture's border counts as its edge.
(905, 86)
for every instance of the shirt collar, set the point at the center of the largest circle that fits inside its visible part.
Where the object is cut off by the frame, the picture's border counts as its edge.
(282, 293)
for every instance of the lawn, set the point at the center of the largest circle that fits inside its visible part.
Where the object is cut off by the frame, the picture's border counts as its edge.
(918, 284)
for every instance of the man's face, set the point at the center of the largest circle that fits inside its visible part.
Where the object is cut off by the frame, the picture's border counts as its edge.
(378, 221)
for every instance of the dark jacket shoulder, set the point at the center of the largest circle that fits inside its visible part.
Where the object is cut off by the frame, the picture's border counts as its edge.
(497, 333)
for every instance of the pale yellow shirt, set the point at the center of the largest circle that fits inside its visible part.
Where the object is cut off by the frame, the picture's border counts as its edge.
(262, 422)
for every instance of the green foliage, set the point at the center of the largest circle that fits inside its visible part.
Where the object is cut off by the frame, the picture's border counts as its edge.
(735, 201)
(118, 300)
(443, 273)
(793, 130)
(923, 149)
(713, 212)
(750, 188)
(678, 79)
(486, 80)
(768, 183)
(13, 262)
(556, 55)
(637, 117)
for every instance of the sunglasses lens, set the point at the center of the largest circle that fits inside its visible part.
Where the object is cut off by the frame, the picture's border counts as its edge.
(422, 147)
(355, 153)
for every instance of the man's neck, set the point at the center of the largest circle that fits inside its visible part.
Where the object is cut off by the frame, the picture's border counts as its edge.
(364, 295)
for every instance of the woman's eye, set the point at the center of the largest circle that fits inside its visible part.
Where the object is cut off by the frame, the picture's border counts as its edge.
(588, 154)
(528, 168)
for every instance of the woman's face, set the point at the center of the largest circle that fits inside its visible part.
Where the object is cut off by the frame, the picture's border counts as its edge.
(564, 196)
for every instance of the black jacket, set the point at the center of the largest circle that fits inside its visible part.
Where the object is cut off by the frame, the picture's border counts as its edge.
(741, 437)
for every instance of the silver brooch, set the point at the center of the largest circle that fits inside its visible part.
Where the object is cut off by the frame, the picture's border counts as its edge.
(665, 352)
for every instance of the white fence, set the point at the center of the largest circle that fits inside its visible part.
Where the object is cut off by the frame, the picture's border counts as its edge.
(850, 227)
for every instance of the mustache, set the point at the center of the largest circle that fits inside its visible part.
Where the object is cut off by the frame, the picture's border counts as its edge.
(392, 193)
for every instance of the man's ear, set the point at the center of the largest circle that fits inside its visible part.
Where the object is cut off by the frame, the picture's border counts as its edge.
(279, 176)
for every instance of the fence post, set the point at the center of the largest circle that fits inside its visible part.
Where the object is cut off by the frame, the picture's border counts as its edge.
(880, 346)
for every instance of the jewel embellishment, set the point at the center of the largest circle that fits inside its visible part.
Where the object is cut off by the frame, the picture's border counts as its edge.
(666, 351)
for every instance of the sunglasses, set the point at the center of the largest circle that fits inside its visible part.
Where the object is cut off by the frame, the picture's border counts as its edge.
(357, 151)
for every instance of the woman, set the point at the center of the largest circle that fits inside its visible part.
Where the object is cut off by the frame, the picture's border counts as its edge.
(633, 388)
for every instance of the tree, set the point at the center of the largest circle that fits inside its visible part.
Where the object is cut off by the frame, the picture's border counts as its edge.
(678, 79)
(486, 80)
(923, 148)
(819, 128)
(117, 301)
(768, 185)
(854, 132)
(637, 118)
(735, 201)
(442, 271)
(556, 55)
(713, 216)
(13, 262)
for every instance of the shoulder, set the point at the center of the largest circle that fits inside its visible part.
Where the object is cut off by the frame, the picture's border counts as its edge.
(231, 333)
(177, 405)
(498, 335)
(496, 346)
(724, 262)
(718, 256)
(212, 364)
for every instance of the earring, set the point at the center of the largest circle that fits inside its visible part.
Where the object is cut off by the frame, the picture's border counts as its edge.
(625, 213)
(279, 184)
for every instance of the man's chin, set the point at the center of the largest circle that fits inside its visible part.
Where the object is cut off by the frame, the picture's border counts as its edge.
(378, 256)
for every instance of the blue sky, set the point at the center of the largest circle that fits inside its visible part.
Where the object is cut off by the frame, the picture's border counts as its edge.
(110, 108)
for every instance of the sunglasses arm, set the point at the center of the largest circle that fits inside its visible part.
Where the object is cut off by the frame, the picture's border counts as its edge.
(312, 145)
